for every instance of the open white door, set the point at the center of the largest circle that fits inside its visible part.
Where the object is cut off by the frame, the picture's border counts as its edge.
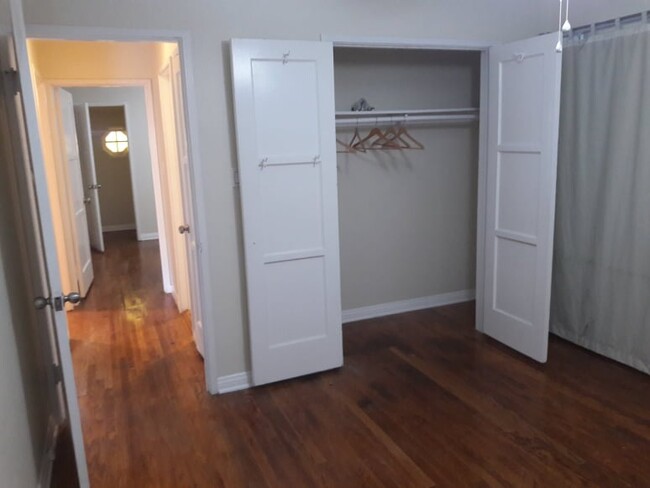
(284, 106)
(174, 215)
(189, 276)
(36, 215)
(75, 190)
(89, 176)
(524, 109)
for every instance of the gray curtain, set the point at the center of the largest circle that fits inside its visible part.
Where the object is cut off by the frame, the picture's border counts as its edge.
(601, 269)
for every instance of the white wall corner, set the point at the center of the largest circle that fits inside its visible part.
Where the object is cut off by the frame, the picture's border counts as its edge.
(49, 453)
(234, 382)
(391, 308)
(148, 236)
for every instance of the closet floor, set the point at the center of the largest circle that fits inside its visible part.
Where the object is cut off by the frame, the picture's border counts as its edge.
(423, 400)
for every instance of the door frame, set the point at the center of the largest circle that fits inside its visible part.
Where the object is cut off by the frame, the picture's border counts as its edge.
(482, 47)
(152, 139)
(183, 41)
(49, 86)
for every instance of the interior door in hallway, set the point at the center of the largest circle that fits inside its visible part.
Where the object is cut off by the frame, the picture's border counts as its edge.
(75, 192)
(35, 213)
(189, 246)
(91, 186)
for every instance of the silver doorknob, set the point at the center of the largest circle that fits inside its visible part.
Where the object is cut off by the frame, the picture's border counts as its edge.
(87, 200)
(96, 186)
(41, 302)
(73, 297)
(184, 229)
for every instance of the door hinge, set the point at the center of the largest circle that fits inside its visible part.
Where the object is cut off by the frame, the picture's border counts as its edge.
(57, 373)
(235, 177)
(11, 80)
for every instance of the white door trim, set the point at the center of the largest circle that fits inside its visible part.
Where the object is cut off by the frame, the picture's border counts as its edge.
(482, 47)
(134, 189)
(51, 84)
(168, 146)
(183, 40)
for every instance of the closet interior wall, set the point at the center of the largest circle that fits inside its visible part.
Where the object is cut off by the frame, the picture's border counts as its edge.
(408, 217)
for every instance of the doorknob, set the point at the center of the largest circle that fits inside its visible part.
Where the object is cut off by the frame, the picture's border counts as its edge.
(96, 186)
(41, 302)
(184, 229)
(72, 297)
(87, 200)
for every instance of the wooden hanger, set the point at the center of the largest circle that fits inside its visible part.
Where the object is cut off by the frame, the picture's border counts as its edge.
(351, 147)
(394, 139)
(404, 132)
(346, 147)
(404, 138)
(365, 143)
(356, 137)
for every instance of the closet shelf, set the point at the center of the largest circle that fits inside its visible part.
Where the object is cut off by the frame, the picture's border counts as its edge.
(411, 117)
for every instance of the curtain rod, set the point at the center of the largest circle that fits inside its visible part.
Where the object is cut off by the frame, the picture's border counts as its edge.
(583, 31)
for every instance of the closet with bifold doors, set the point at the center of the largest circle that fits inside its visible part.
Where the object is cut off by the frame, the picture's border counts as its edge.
(378, 177)
(407, 154)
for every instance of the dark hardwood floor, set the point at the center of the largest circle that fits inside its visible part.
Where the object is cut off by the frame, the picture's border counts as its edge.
(423, 400)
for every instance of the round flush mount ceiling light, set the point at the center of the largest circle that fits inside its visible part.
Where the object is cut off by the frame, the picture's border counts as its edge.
(116, 142)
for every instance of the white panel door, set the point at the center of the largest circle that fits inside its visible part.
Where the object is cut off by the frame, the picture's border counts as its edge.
(524, 108)
(188, 244)
(35, 214)
(284, 106)
(89, 176)
(75, 189)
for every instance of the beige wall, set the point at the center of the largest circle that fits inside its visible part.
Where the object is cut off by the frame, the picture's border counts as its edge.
(408, 218)
(113, 172)
(212, 23)
(77, 61)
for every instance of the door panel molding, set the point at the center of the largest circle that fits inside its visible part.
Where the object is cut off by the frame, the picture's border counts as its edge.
(284, 104)
(524, 106)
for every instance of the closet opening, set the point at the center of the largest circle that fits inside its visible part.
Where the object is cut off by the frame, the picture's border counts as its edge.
(409, 144)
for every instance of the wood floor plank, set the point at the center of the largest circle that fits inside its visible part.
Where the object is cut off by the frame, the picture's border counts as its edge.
(423, 400)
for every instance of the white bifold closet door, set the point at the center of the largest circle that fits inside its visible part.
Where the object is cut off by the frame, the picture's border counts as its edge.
(284, 104)
(524, 108)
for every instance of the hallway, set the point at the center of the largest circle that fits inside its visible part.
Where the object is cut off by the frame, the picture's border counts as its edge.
(135, 364)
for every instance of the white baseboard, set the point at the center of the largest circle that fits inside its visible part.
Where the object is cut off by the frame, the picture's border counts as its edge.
(148, 236)
(117, 227)
(234, 382)
(410, 305)
(242, 381)
(49, 453)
